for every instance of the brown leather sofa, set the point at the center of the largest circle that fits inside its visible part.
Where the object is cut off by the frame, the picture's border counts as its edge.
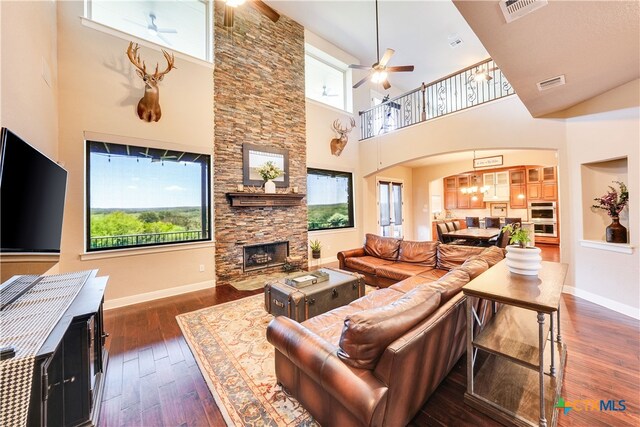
(385, 260)
(376, 361)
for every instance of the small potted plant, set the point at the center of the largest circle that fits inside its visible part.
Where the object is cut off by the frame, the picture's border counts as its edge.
(521, 259)
(315, 246)
(269, 171)
(613, 202)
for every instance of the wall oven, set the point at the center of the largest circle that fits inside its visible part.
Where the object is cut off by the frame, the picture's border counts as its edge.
(543, 217)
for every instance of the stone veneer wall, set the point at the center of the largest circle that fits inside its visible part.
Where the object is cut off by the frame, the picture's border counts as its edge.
(258, 98)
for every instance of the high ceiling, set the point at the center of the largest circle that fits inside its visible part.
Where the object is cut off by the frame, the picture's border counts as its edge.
(595, 44)
(417, 30)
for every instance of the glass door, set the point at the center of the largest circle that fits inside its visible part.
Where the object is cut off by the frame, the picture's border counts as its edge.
(390, 205)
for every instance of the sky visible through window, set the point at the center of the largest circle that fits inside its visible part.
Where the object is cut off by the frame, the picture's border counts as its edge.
(119, 182)
(326, 190)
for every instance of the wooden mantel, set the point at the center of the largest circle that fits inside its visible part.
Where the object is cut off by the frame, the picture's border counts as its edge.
(264, 199)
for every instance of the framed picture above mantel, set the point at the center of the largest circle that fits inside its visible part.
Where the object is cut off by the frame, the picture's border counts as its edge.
(254, 156)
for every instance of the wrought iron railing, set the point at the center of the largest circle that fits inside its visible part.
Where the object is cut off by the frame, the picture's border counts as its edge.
(105, 242)
(447, 95)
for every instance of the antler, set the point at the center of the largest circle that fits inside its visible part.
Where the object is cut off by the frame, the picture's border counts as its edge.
(337, 126)
(353, 124)
(132, 53)
(170, 60)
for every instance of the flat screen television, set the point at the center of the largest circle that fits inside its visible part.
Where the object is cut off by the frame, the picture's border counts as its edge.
(32, 194)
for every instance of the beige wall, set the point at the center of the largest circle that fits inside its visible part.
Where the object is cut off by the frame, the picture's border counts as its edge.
(475, 128)
(28, 104)
(604, 277)
(319, 134)
(98, 91)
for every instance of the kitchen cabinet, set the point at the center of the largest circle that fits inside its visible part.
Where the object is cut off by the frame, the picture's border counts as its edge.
(498, 183)
(450, 193)
(541, 183)
(476, 202)
(517, 189)
(463, 198)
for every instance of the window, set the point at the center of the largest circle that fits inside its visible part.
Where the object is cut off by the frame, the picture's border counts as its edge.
(390, 208)
(141, 196)
(326, 79)
(181, 25)
(330, 199)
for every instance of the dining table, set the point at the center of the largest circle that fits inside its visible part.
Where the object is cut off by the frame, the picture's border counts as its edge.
(473, 235)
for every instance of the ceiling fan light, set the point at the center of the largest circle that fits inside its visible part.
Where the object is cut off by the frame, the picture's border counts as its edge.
(235, 3)
(482, 76)
(379, 76)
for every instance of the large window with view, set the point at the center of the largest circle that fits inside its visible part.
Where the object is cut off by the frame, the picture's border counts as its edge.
(329, 199)
(142, 196)
(182, 25)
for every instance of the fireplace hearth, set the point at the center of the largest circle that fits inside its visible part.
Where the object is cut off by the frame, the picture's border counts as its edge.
(264, 255)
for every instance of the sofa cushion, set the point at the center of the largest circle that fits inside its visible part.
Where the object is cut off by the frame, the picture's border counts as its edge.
(366, 264)
(474, 266)
(375, 299)
(492, 255)
(381, 247)
(329, 325)
(450, 284)
(433, 275)
(452, 256)
(367, 334)
(424, 253)
(400, 270)
(409, 284)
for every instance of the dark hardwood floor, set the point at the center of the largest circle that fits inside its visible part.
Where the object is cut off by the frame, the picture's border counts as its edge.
(153, 379)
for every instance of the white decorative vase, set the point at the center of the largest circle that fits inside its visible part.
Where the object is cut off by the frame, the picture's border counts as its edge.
(270, 187)
(525, 261)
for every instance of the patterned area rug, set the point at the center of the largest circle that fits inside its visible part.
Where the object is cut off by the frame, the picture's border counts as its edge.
(230, 345)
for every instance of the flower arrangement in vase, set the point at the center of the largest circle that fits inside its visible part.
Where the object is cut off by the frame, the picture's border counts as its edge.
(269, 171)
(521, 259)
(613, 202)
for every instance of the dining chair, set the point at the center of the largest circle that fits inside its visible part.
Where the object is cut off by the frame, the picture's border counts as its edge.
(508, 221)
(492, 222)
(473, 221)
(441, 228)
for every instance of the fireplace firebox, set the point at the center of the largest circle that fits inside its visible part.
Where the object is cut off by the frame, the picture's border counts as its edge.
(264, 255)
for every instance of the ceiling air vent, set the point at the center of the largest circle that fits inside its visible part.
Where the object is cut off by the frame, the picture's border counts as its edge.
(552, 82)
(514, 9)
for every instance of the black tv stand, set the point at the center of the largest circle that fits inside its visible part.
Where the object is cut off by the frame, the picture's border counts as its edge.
(69, 367)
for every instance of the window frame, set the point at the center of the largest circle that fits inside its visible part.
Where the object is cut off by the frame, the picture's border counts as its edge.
(90, 21)
(350, 203)
(205, 183)
(391, 182)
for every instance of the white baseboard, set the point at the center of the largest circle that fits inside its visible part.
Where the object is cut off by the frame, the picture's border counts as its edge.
(322, 261)
(163, 293)
(625, 309)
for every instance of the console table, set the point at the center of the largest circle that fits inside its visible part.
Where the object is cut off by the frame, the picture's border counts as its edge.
(516, 362)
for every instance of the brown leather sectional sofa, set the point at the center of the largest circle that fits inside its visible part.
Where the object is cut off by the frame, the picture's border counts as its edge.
(384, 260)
(376, 361)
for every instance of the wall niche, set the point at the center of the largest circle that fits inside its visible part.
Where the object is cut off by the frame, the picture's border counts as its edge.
(596, 179)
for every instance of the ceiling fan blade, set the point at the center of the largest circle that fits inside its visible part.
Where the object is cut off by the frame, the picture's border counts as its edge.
(265, 9)
(364, 79)
(386, 85)
(400, 68)
(386, 57)
(360, 67)
(228, 16)
(168, 30)
(163, 38)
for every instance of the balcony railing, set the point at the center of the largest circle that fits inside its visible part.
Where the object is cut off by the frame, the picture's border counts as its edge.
(447, 95)
(105, 242)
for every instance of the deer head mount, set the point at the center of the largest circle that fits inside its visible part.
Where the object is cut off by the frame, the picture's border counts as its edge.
(338, 144)
(149, 104)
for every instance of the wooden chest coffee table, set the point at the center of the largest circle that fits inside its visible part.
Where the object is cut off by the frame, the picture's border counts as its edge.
(303, 302)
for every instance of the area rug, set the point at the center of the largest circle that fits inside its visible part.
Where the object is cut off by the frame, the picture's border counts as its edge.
(230, 345)
(257, 282)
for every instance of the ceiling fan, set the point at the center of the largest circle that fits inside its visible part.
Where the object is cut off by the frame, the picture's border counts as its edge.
(259, 5)
(153, 29)
(161, 158)
(378, 72)
(325, 92)
(481, 74)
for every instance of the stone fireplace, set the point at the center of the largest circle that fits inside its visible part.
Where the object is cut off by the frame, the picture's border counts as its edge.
(258, 99)
(264, 255)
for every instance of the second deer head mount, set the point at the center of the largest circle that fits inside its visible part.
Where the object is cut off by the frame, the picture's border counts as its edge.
(149, 104)
(338, 144)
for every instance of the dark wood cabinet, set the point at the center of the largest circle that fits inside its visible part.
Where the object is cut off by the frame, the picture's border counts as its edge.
(542, 183)
(517, 189)
(69, 367)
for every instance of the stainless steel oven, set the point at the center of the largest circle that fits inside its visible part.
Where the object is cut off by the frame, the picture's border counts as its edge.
(543, 217)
